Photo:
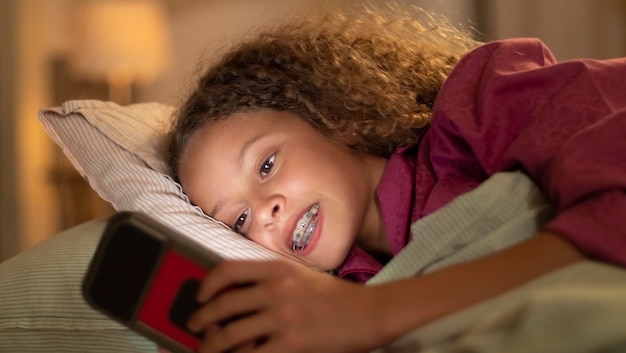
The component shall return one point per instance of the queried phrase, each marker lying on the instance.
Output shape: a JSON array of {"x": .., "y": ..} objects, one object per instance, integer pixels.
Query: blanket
[{"x": 579, "y": 308}]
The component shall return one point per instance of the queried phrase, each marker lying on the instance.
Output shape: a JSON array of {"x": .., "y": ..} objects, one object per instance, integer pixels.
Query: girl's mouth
[{"x": 305, "y": 228}]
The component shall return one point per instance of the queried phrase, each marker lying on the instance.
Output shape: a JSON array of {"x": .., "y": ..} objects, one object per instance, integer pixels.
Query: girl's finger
[
  {"x": 230, "y": 273},
  {"x": 227, "y": 305},
  {"x": 246, "y": 348},
  {"x": 245, "y": 333}
]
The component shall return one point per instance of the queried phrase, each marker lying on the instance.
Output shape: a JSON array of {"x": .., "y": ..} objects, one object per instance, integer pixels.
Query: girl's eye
[
  {"x": 267, "y": 166},
  {"x": 240, "y": 222}
]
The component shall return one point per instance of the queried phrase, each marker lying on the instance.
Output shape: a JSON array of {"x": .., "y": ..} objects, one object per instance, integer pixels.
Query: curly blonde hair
[{"x": 373, "y": 72}]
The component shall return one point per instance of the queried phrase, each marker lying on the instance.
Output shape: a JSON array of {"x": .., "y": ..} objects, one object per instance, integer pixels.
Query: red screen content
[{"x": 174, "y": 270}]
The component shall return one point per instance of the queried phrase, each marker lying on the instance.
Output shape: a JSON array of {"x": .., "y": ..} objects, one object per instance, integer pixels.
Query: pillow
[
  {"x": 117, "y": 149},
  {"x": 41, "y": 306}
]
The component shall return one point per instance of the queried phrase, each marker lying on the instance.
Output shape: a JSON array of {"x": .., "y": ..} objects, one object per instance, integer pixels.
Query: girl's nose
[{"x": 270, "y": 211}]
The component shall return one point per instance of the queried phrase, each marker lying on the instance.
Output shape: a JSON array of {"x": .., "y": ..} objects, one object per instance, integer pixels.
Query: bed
[{"x": 579, "y": 308}]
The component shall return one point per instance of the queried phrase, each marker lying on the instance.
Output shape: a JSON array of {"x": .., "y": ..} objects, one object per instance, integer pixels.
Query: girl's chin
[
  {"x": 308, "y": 262},
  {"x": 321, "y": 266},
  {"x": 304, "y": 260}
]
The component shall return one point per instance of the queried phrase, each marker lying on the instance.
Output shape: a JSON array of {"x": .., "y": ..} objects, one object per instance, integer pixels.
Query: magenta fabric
[{"x": 508, "y": 105}]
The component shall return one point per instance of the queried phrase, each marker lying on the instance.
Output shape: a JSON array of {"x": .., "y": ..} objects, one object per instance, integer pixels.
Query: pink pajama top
[{"x": 508, "y": 105}]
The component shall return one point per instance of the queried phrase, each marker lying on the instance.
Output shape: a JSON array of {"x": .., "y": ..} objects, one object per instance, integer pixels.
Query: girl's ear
[
  {"x": 351, "y": 137},
  {"x": 354, "y": 138},
  {"x": 347, "y": 137}
]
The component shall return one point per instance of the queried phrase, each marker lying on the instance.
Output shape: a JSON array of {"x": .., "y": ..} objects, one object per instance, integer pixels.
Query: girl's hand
[{"x": 294, "y": 309}]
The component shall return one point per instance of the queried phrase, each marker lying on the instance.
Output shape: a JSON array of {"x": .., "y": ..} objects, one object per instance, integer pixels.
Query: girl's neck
[
  {"x": 373, "y": 238},
  {"x": 382, "y": 256}
]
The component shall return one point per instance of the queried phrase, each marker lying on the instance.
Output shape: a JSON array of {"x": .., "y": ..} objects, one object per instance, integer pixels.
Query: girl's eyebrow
[
  {"x": 218, "y": 206},
  {"x": 242, "y": 154},
  {"x": 246, "y": 147}
]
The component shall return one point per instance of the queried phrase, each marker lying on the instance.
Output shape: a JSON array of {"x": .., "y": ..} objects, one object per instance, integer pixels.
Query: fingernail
[{"x": 191, "y": 325}]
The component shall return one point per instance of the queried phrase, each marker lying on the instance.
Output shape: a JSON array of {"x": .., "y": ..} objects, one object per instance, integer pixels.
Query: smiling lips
[{"x": 304, "y": 228}]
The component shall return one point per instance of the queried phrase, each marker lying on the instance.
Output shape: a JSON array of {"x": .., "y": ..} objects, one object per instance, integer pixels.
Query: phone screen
[
  {"x": 124, "y": 271},
  {"x": 171, "y": 299},
  {"x": 142, "y": 281}
]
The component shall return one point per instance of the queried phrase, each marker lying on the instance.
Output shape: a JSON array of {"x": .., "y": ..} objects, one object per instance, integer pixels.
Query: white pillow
[
  {"x": 41, "y": 306},
  {"x": 118, "y": 150}
]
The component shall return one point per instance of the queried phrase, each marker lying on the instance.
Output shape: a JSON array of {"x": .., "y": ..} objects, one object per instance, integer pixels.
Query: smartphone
[{"x": 145, "y": 276}]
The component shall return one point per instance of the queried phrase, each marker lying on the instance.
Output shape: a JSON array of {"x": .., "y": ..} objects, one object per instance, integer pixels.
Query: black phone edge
[{"x": 175, "y": 240}]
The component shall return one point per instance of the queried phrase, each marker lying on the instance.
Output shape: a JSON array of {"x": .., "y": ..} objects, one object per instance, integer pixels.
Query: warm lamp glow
[{"x": 122, "y": 41}]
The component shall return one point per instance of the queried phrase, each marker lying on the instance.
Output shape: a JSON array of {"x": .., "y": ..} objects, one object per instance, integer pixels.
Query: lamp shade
[{"x": 122, "y": 41}]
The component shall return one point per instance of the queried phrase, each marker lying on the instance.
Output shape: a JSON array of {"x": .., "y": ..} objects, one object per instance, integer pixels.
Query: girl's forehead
[
  {"x": 233, "y": 130},
  {"x": 263, "y": 119}
]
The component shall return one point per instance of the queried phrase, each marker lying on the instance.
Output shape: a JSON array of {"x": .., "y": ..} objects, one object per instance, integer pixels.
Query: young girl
[{"x": 324, "y": 140}]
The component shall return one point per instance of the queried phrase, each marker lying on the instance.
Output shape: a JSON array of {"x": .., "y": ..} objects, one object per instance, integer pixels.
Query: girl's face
[{"x": 273, "y": 178}]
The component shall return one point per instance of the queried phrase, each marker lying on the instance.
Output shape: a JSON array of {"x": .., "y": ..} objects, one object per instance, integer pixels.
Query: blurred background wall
[{"x": 40, "y": 194}]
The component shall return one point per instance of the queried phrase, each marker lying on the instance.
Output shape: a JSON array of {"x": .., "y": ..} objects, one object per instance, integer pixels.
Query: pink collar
[{"x": 395, "y": 194}]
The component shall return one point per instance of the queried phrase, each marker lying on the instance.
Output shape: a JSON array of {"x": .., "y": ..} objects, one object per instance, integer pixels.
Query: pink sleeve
[{"x": 509, "y": 105}]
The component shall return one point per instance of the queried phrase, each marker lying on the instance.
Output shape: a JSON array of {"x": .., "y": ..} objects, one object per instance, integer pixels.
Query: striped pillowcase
[
  {"x": 118, "y": 150},
  {"x": 41, "y": 306}
]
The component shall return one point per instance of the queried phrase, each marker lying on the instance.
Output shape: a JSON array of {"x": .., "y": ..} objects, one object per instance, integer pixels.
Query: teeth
[{"x": 304, "y": 228}]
